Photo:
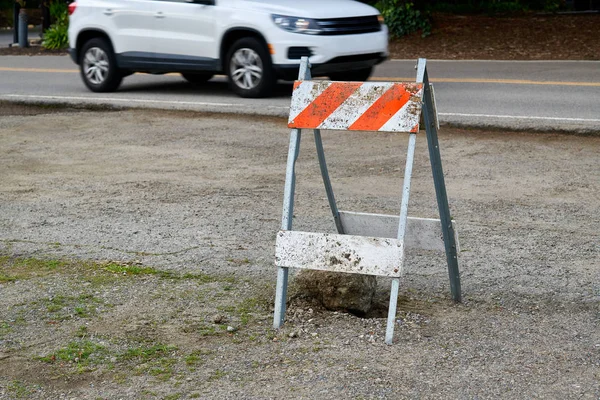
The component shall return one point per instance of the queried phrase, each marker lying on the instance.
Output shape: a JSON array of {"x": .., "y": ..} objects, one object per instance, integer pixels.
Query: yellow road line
[
  {"x": 52, "y": 70},
  {"x": 376, "y": 78}
]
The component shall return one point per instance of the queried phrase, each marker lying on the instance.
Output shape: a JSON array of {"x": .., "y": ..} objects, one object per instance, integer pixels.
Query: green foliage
[
  {"x": 58, "y": 10},
  {"x": 57, "y": 37},
  {"x": 75, "y": 352},
  {"x": 402, "y": 18},
  {"x": 6, "y": 4},
  {"x": 494, "y": 7}
]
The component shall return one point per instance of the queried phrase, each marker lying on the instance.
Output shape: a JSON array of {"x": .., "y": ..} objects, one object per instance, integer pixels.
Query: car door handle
[
  {"x": 159, "y": 14},
  {"x": 108, "y": 11}
]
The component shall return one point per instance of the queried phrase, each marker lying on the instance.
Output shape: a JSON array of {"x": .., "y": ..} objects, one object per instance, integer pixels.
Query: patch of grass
[
  {"x": 12, "y": 269},
  {"x": 82, "y": 331},
  {"x": 174, "y": 396},
  {"x": 146, "y": 353},
  {"x": 130, "y": 269},
  {"x": 216, "y": 375},
  {"x": 204, "y": 329},
  {"x": 20, "y": 390},
  {"x": 6, "y": 278},
  {"x": 246, "y": 308},
  {"x": 65, "y": 307},
  {"x": 97, "y": 273},
  {"x": 5, "y": 329},
  {"x": 81, "y": 353},
  {"x": 238, "y": 261},
  {"x": 196, "y": 358},
  {"x": 155, "y": 360},
  {"x": 161, "y": 368}
]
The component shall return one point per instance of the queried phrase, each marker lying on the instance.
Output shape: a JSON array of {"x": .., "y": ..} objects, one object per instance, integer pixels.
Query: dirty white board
[{"x": 339, "y": 253}]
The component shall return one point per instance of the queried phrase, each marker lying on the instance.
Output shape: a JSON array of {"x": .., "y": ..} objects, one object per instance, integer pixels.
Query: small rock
[
  {"x": 293, "y": 334},
  {"x": 218, "y": 319},
  {"x": 231, "y": 328}
]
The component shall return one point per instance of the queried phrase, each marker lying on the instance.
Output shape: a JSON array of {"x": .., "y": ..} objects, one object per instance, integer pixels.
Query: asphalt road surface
[{"x": 541, "y": 95}]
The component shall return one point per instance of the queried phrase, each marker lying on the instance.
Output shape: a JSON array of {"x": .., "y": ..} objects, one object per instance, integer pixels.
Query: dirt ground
[
  {"x": 481, "y": 37},
  {"x": 136, "y": 261}
]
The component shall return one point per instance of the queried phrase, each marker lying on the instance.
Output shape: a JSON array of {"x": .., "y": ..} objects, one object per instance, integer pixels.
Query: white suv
[{"x": 253, "y": 42}]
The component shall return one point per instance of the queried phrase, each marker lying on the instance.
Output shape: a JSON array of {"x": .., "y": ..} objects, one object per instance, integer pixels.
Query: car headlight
[{"x": 297, "y": 24}]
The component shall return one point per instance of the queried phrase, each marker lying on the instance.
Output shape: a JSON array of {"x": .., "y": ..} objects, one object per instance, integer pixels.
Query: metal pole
[
  {"x": 410, "y": 156},
  {"x": 327, "y": 182},
  {"x": 438, "y": 181},
  {"x": 288, "y": 207},
  {"x": 16, "y": 9},
  {"x": 23, "y": 41}
]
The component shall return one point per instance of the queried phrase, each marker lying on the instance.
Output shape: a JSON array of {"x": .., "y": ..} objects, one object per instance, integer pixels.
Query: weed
[
  {"x": 146, "y": 353},
  {"x": 238, "y": 261},
  {"x": 6, "y": 278},
  {"x": 82, "y": 353},
  {"x": 65, "y": 307},
  {"x": 82, "y": 331},
  {"x": 195, "y": 358},
  {"x": 130, "y": 269},
  {"x": 20, "y": 390},
  {"x": 216, "y": 375},
  {"x": 5, "y": 329},
  {"x": 162, "y": 368}
]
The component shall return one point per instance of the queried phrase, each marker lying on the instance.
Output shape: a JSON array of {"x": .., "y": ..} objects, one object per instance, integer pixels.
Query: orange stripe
[
  {"x": 321, "y": 107},
  {"x": 382, "y": 110},
  {"x": 296, "y": 84}
]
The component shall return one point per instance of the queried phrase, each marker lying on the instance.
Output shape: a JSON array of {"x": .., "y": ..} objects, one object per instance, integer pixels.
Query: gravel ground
[{"x": 136, "y": 261}]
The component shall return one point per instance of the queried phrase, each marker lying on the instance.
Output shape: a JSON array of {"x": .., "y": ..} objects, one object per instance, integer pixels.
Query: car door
[
  {"x": 133, "y": 31},
  {"x": 185, "y": 34}
]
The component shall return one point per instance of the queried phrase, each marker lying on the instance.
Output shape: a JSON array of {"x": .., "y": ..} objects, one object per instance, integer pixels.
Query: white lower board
[{"x": 339, "y": 253}]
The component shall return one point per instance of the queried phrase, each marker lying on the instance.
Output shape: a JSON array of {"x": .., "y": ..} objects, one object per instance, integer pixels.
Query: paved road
[{"x": 523, "y": 95}]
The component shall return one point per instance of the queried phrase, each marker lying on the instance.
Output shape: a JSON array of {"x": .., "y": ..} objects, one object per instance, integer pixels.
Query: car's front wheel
[
  {"x": 249, "y": 68},
  {"x": 98, "y": 66},
  {"x": 358, "y": 75}
]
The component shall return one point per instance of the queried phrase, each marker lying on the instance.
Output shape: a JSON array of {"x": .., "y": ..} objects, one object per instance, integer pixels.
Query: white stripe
[
  {"x": 406, "y": 118},
  {"x": 355, "y": 105},
  {"x": 304, "y": 95}
]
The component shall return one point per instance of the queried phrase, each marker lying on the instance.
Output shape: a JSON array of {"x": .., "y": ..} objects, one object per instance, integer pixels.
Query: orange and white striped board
[{"x": 356, "y": 106}]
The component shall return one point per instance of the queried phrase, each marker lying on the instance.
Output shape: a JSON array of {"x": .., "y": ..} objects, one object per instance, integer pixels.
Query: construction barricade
[{"x": 371, "y": 244}]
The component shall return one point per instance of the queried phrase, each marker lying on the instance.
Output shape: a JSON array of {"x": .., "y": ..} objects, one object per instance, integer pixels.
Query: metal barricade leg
[
  {"x": 410, "y": 155},
  {"x": 286, "y": 224},
  {"x": 438, "y": 181},
  {"x": 327, "y": 182}
]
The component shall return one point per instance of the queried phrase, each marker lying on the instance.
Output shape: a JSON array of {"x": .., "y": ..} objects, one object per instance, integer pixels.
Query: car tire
[
  {"x": 197, "y": 78},
  {"x": 250, "y": 69},
  {"x": 98, "y": 66},
  {"x": 357, "y": 75}
]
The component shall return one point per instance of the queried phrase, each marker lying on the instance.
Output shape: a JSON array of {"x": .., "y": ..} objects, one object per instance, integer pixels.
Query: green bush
[
  {"x": 492, "y": 7},
  {"x": 403, "y": 18},
  {"x": 57, "y": 37}
]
